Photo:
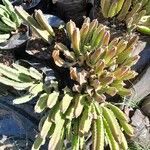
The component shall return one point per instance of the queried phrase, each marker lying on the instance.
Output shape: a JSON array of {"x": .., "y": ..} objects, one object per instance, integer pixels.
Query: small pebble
[{"x": 113, "y": 26}]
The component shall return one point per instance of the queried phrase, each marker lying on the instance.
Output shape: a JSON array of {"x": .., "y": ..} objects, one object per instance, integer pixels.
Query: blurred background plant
[
  {"x": 9, "y": 21},
  {"x": 135, "y": 14},
  {"x": 98, "y": 68},
  {"x": 38, "y": 23}
]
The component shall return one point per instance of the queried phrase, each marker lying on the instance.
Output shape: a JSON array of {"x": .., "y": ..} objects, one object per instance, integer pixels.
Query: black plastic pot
[
  {"x": 25, "y": 4},
  {"x": 16, "y": 40},
  {"x": 17, "y": 127},
  {"x": 40, "y": 49},
  {"x": 71, "y": 9}
]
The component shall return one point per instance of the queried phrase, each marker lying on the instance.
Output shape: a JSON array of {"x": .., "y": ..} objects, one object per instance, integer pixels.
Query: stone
[
  {"x": 146, "y": 106},
  {"x": 141, "y": 87},
  {"x": 18, "y": 125},
  {"x": 141, "y": 126}
]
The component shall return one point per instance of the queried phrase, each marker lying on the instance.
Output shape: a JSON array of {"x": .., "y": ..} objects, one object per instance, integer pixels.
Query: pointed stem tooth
[
  {"x": 96, "y": 55},
  {"x": 86, "y": 120},
  {"x": 96, "y": 33},
  {"x": 124, "y": 92},
  {"x": 92, "y": 27},
  {"x": 106, "y": 80},
  {"x": 134, "y": 10},
  {"x": 100, "y": 65},
  {"x": 76, "y": 41},
  {"x": 113, "y": 123},
  {"x": 43, "y": 22},
  {"x": 119, "y": 5},
  {"x": 73, "y": 73},
  {"x": 87, "y": 20},
  {"x": 112, "y": 63},
  {"x": 106, "y": 39},
  {"x": 125, "y": 55},
  {"x": 128, "y": 128},
  {"x": 118, "y": 112},
  {"x": 129, "y": 75},
  {"x": 105, "y": 5},
  {"x": 112, "y": 91},
  {"x": 114, "y": 42},
  {"x": 133, "y": 41},
  {"x": 100, "y": 98},
  {"x": 60, "y": 46},
  {"x": 70, "y": 26},
  {"x": 98, "y": 41},
  {"x": 58, "y": 61},
  {"x": 120, "y": 72},
  {"x": 109, "y": 135},
  {"x": 126, "y": 6},
  {"x": 98, "y": 134},
  {"x": 123, "y": 145},
  {"x": 118, "y": 84},
  {"x": 110, "y": 53},
  {"x": 121, "y": 46},
  {"x": 112, "y": 9},
  {"x": 131, "y": 61},
  {"x": 79, "y": 105},
  {"x": 69, "y": 55},
  {"x": 83, "y": 32}
]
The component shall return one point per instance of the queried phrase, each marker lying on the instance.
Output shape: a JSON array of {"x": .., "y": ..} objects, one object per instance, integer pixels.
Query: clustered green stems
[
  {"x": 68, "y": 116},
  {"x": 72, "y": 119},
  {"x": 9, "y": 20},
  {"x": 128, "y": 11},
  {"x": 38, "y": 23},
  {"x": 99, "y": 65}
]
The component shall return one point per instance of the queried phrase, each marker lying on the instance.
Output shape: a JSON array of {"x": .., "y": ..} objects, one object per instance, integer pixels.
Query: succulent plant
[
  {"x": 129, "y": 11},
  {"x": 99, "y": 66},
  {"x": 22, "y": 78},
  {"x": 9, "y": 20},
  {"x": 38, "y": 23},
  {"x": 144, "y": 25},
  {"x": 97, "y": 63}
]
